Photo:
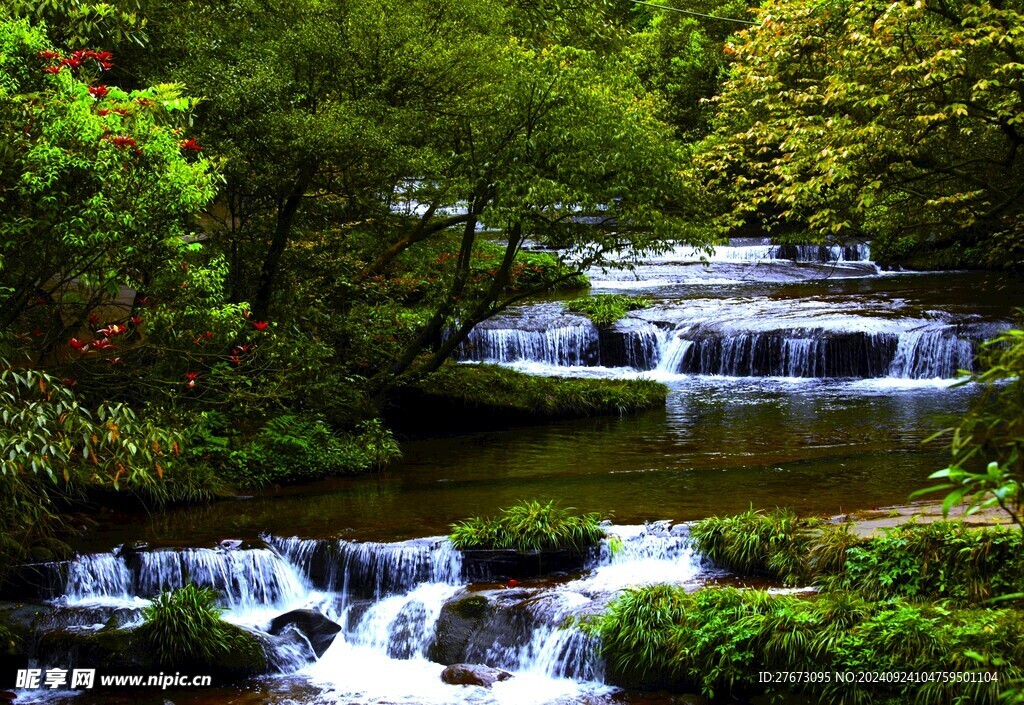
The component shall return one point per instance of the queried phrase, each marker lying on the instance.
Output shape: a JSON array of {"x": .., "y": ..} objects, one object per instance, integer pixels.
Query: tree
[
  {"x": 872, "y": 119},
  {"x": 97, "y": 185}
]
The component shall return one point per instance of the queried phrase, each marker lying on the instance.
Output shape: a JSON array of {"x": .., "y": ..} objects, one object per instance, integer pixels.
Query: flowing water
[{"x": 798, "y": 376}]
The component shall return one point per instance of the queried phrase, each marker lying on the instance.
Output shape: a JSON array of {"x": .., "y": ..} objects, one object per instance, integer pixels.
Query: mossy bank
[{"x": 482, "y": 396}]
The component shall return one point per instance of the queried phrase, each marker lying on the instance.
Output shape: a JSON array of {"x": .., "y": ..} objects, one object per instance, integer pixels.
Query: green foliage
[
  {"x": 936, "y": 561},
  {"x": 288, "y": 449},
  {"x": 518, "y": 394},
  {"x": 184, "y": 629},
  {"x": 53, "y": 447},
  {"x": 719, "y": 639},
  {"x": 987, "y": 466},
  {"x": 97, "y": 190},
  {"x": 757, "y": 542},
  {"x": 606, "y": 309},
  {"x": 899, "y": 121},
  {"x": 530, "y": 526},
  {"x": 939, "y": 561}
]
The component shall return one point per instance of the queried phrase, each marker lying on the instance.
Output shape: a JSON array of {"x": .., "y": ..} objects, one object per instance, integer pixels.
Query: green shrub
[
  {"x": 941, "y": 560},
  {"x": 184, "y": 628},
  {"x": 606, "y": 309},
  {"x": 932, "y": 561},
  {"x": 290, "y": 448},
  {"x": 530, "y": 526},
  {"x": 718, "y": 639}
]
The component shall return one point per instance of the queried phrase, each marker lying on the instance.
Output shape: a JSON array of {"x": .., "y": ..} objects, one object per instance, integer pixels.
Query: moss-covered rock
[{"x": 475, "y": 396}]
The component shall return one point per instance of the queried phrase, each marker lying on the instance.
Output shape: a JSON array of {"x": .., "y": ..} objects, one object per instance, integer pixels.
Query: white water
[{"x": 388, "y": 598}]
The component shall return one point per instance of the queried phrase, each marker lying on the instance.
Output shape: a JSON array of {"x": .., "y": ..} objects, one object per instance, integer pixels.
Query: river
[{"x": 804, "y": 377}]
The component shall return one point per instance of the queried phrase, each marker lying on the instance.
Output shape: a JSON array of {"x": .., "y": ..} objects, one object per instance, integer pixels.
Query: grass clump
[
  {"x": 717, "y": 640},
  {"x": 530, "y": 526},
  {"x": 942, "y": 560},
  {"x": 606, "y": 309},
  {"x": 183, "y": 628},
  {"x": 499, "y": 391}
]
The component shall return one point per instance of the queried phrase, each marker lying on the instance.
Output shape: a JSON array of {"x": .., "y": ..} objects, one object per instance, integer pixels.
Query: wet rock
[
  {"x": 318, "y": 629},
  {"x": 35, "y": 581},
  {"x": 480, "y": 565},
  {"x": 473, "y": 625},
  {"x": 473, "y": 674},
  {"x": 125, "y": 651}
]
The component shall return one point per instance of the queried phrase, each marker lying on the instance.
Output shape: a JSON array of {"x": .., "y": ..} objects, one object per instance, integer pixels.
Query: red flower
[
  {"x": 36, "y": 332},
  {"x": 208, "y": 335},
  {"x": 103, "y": 112},
  {"x": 142, "y": 300},
  {"x": 260, "y": 325},
  {"x": 53, "y": 69},
  {"x": 235, "y": 360},
  {"x": 111, "y": 330},
  {"x": 136, "y": 320},
  {"x": 191, "y": 377},
  {"x": 94, "y": 318},
  {"x": 121, "y": 111},
  {"x": 48, "y": 55},
  {"x": 102, "y": 344},
  {"x": 72, "y": 62},
  {"x": 240, "y": 349},
  {"x": 246, "y": 314},
  {"x": 70, "y": 381},
  {"x": 191, "y": 144},
  {"x": 99, "y": 91},
  {"x": 114, "y": 360},
  {"x": 122, "y": 141},
  {"x": 78, "y": 344}
]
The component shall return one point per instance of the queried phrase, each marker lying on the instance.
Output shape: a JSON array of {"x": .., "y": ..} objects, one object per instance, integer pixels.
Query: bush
[
  {"x": 530, "y": 526},
  {"x": 184, "y": 629},
  {"x": 718, "y": 639},
  {"x": 922, "y": 561},
  {"x": 606, "y": 309},
  {"x": 290, "y": 448}
]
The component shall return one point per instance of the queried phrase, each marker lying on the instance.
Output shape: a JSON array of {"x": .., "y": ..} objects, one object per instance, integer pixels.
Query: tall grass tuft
[
  {"x": 184, "y": 628},
  {"x": 530, "y": 526}
]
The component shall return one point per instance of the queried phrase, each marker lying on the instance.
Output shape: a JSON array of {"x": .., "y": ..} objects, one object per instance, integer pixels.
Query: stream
[{"x": 800, "y": 376}]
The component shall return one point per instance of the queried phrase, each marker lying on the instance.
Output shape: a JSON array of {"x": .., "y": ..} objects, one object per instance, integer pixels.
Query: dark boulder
[
  {"x": 473, "y": 674},
  {"x": 487, "y": 565},
  {"x": 319, "y": 630}
]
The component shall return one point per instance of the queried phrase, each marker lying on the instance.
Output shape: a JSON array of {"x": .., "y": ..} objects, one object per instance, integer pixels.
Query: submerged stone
[{"x": 473, "y": 674}]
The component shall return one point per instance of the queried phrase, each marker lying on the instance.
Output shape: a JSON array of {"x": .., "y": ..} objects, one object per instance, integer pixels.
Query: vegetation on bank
[
  {"x": 493, "y": 392},
  {"x": 936, "y": 561},
  {"x": 605, "y": 309},
  {"x": 530, "y": 526},
  {"x": 718, "y": 641},
  {"x": 183, "y": 629}
]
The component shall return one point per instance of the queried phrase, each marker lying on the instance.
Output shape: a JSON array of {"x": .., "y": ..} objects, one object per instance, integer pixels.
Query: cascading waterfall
[
  {"x": 567, "y": 345},
  {"x": 393, "y": 595}
]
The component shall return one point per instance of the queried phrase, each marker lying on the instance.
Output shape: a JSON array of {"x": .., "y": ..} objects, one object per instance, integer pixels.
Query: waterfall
[
  {"x": 393, "y": 597},
  {"x": 564, "y": 345},
  {"x": 928, "y": 354}
]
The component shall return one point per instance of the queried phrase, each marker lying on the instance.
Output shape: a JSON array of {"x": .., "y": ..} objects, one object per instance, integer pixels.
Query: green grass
[
  {"x": 606, "y": 309},
  {"x": 530, "y": 526},
  {"x": 717, "y": 640},
  {"x": 943, "y": 560},
  {"x": 517, "y": 394},
  {"x": 183, "y": 628}
]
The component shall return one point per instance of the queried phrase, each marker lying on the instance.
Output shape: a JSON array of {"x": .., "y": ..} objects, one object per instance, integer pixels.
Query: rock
[
  {"x": 485, "y": 565},
  {"x": 319, "y": 630},
  {"x": 473, "y": 674}
]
